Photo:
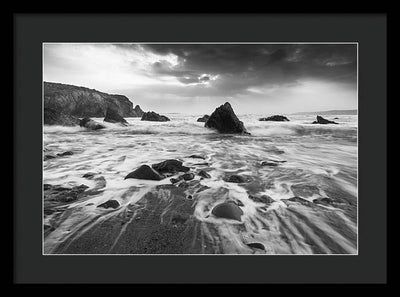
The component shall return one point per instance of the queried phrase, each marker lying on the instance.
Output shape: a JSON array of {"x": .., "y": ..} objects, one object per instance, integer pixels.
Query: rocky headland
[{"x": 64, "y": 104}]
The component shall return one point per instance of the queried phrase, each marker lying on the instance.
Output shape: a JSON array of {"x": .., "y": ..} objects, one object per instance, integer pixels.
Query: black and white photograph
[{"x": 200, "y": 148}]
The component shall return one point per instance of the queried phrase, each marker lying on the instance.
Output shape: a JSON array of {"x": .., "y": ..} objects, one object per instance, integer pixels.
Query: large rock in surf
[
  {"x": 228, "y": 210},
  {"x": 84, "y": 102},
  {"x": 170, "y": 166},
  {"x": 145, "y": 172},
  {"x": 54, "y": 117},
  {"x": 275, "y": 118},
  {"x": 113, "y": 116},
  {"x": 224, "y": 120},
  {"x": 204, "y": 118},
  {"x": 321, "y": 120},
  {"x": 90, "y": 124},
  {"x": 155, "y": 117}
]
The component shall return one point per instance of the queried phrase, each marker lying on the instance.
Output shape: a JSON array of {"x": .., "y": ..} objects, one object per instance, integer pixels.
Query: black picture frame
[{"x": 31, "y": 30}]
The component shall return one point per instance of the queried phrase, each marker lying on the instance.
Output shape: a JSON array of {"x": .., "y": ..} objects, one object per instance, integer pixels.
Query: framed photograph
[{"x": 208, "y": 141}]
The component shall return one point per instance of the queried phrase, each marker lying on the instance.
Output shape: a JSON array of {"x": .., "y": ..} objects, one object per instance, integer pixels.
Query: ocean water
[{"x": 320, "y": 162}]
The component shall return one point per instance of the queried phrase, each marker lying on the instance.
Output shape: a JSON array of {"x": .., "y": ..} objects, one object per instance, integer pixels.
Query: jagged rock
[
  {"x": 272, "y": 162},
  {"x": 54, "y": 117},
  {"x": 84, "y": 102},
  {"x": 170, "y": 166},
  {"x": 90, "y": 124},
  {"x": 297, "y": 200},
  {"x": 68, "y": 153},
  {"x": 269, "y": 163},
  {"x": 321, "y": 120},
  {"x": 138, "y": 111},
  {"x": 256, "y": 245},
  {"x": 204, "y": 174},
  {"x": 224, "y": 120},
  {"x": 47, "y": 187},
  {"x": 188, "y": 176},
  {"x": 304, "y": 190},
  {"x": 145, "y": 172},
  {"x": 48, "y": 157},
  {"x": 155, "y": 117},
  {"x": 62, "y": 194},
  {"x": 238, "y": 203},
  {"x": 201, "y": 164},
  {"x": 329, "y": 201},
  {"x": 196, "y": 157},
  {"x": 227, "y": 210},
  {"x": 204, "y": 118},
  {"x": 109, "y": 204},
  {"x": 89, "y": 175},
  {"x": 235, "y": 179},
  {"x": 275, "y": 118},
  {"x": 262, "y": 199},
  {"x": 175, "y": 180},
  {"x": 113, "y": 116}
]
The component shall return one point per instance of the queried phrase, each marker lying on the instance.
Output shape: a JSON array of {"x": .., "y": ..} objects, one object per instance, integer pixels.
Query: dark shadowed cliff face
[{"x": 84, "y": 102}]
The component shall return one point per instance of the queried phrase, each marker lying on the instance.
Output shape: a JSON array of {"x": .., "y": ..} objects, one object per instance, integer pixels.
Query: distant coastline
[{"x": 329, "y": 112}]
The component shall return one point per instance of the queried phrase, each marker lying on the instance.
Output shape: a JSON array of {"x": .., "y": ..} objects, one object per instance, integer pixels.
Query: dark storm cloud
[{"x": 240, "y": 66}]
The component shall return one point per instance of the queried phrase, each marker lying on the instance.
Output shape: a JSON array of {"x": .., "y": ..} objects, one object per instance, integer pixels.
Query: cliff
[{"x": 85, "y": 102}]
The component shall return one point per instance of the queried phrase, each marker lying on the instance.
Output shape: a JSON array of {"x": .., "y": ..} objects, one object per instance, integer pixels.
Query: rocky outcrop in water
[
  {"x": 235, "y": 179},
  {"x": 170, "y": 166},
  {"x": 113, "y": 116},
  {"x": 155, "y": 117},
  {"x": 321, "y": 120},
  {"x": 63, "y": 194},
  {"x": 224, "y": 120},
  {"x": 85, "y": 102},
  {"x": 90, "y": 124},
  {"x": 204, "y": 174},
  {"x": 275, "y": 118},
  {"x": 145, "y": 172},
  {"x": 109, "y": 204},
  {"x": 228, "y": 210},
  {"x": 54, "y": 117},
  {"x": 139, "y": 112},
  {"x": 204, "y": 118}
]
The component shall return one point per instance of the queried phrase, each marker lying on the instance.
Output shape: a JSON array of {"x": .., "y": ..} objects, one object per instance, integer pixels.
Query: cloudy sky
[{"x": 196, "y": 78}]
